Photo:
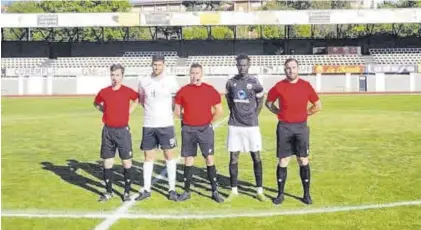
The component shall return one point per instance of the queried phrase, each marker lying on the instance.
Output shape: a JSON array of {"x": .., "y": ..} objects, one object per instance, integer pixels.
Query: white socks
[
  {"x": 234, "y": 190},
  {"x": 171, "y": 172},
  {"x": 259, "y": 190},
  {"x": 147, "y": 175}
]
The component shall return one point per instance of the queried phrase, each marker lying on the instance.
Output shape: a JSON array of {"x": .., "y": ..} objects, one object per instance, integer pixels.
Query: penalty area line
[{"x": 302, "y": 211}]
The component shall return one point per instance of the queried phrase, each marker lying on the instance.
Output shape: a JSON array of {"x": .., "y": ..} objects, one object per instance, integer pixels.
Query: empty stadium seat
[
  {"x": 277, "y": 60},
  {"x": 22, "y": 62}
]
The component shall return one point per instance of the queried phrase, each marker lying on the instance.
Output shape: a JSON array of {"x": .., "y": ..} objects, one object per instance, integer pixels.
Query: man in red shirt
[
  {"x": 114, "y": 102},
  {"x": 194, "y": 104},
  {"x": 292, "y": 133}
]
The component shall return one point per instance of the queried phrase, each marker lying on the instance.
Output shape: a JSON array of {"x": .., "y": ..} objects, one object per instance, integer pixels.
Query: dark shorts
[
  {"x": 292, "y": 139},
  {"x": 191, "y": 136},
  {"x": 153, "y": 138},
  {"x": 116, "y": 139}
]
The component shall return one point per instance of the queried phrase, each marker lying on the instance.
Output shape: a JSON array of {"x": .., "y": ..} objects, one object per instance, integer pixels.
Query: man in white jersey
[{"x": 156, "y": 94}]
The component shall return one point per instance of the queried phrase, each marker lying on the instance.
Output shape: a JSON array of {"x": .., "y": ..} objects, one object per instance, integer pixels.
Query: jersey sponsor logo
[
  {"x": 242, "y": 97},
  {"x": 249, "y": 86}
]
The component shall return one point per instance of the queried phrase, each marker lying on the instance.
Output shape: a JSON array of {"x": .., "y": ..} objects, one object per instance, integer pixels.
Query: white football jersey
[{"x": 158, "y": 96}]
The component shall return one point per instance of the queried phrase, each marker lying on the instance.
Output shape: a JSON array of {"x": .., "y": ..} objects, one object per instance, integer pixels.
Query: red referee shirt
[
  {"x": 197, "y": 102},
  {"x": 116, "y": 105},
  {"x": 293, "y": 99}
]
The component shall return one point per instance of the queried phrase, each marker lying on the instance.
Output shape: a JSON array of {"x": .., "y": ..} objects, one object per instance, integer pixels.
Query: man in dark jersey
[
  {"x": 114, "y": 102},
  {"x": 244, "y": 95},
  {"x": 292, "y": 133},
  {"x": 194, "y": 104}
]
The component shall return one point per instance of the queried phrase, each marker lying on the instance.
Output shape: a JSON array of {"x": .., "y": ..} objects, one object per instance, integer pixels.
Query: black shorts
[
  {"x": 191, "y": 136},
  {"x": 116, "y": 138},
  {"x": 153, "y": 138},
  {"x": 292, "y": 138}
]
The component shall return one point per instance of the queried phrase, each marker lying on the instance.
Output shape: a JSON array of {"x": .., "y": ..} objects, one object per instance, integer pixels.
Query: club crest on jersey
[{"x": 249, "y": 86}]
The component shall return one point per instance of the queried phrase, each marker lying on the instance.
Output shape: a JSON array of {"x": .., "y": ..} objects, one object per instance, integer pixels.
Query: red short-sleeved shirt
[
  {"x": 197, "y": 102},
  {"x": 116, "y": 105},
  {"x": 293, "y": 99}
]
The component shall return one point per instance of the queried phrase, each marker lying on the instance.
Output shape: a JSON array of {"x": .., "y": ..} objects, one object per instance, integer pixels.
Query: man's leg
[
  {"x": 188, "y": 151},
  {"x": 148, "y": 145},
  {"x": 212, "y": 176},
  {"x": 206, "y": 139},
  {"x": 108, "y": 150},
  {"x": 167, "y": 141},
  {"x": 124, "y": 146},
  {"x": 254, "y": 144},
  {"x": 187, "y": 176},
  {"x": 303, "y": 161},
  {"x": 284, "y": 143},
  {"x": 258, "y": 174},
  {"x": 234, "y": 145},
  {"x": 233, "y": 169}
]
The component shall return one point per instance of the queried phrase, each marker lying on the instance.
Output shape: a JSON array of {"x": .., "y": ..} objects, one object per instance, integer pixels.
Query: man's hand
[
  {"x": 271, "y": 106},
  {"x": 99, "y": 107},
  {"x": 316, "y": 107}
]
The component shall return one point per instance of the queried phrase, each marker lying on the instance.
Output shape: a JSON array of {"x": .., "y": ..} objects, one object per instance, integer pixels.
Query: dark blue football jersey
[{"x": 242, "y": 94}]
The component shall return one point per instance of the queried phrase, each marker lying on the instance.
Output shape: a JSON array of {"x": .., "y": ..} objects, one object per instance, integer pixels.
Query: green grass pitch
[{"x": 365, "y": 149}]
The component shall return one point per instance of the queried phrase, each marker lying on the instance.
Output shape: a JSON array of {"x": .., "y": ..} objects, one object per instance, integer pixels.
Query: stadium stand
[
  {"x": 278, "y": 60},
  {"x": 22, "y": 62},
  {"x": 142, "y": 59},
  {"x": 396, "y": 55}
]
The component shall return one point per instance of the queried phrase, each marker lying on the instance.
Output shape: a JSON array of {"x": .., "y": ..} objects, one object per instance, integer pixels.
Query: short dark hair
[
  {"x": 158, "y": 57},
  {"x": 196, "y": 65},
  {"x": 290, "y": 60},
  {"x": 117, "y": 66},
  {"x": 242, "y": 57}
]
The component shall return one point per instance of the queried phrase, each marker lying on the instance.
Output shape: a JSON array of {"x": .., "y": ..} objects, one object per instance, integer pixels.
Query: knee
[
  {"x": 149, "y": 155},
  {"x": 302, "y": 161},
  {"x": 234, "y": 157},
  {"x": 209, "y": 160},
  {"x": 127, "y": 163},
  {"x": 256, "y": 157},
  {"x": 169, "y": 154},
  {"x": 108, "y": 163},
  {"x": 283, "y": 162},
  {"x": 188, "y": 161}
]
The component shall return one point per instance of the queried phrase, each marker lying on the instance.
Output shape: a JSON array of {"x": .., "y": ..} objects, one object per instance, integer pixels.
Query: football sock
[
  {"x": 128, "y": 173},
  {"x": 108, "y": 179},
  {"x": 172, "y": 170},
  {"x": 281, "y": 175},
  {"x": 305, "y": 179},
  {"x": 233, "y": 168},
  {"x": 258, "y": 174},
  {"x": 147, "y": 175},
  {"x": 260, "y": 190},
  {"x": 234, "y": 190},
  {"x": 187, "y": 177},
  {"x": 212, "y": 176}
]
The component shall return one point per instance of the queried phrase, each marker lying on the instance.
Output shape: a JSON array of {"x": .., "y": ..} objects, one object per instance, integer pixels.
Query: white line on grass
[
  {"x": 110, "y": 220},
  {"x": 224, "y": 215}
]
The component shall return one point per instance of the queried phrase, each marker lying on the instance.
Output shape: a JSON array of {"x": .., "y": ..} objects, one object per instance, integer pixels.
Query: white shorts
[{"x": 244, "y": 139}]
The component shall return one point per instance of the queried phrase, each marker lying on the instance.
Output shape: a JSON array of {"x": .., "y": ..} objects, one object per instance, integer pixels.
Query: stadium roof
[{"x": 154, "y": 2}]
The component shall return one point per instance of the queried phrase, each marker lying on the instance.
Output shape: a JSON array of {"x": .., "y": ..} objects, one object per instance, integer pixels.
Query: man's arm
[
  {"x": 141, "y": 93},
  {"x": 133, "y": 106},
  {"x": 178, "y": 111},
  {"x": 230, "y": 100},
  {"x": 316, "y": 107},
  {"x": 217, "y": 112},
  {"x": 99, "y": 102},
  {"x": 99, "y": 106},
  {"x": 272, "y": 107},
  {"x": 270, "y": 100},
  {"x": 259, "y": 101},
  {"x": 258, "y": 89}
]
